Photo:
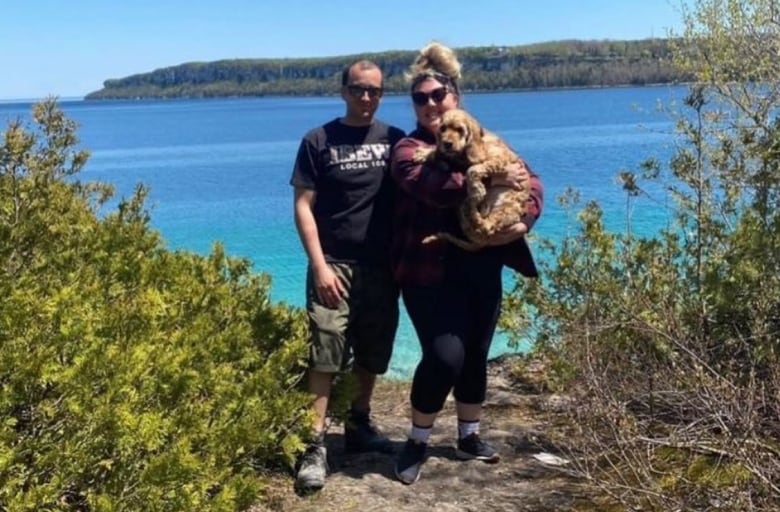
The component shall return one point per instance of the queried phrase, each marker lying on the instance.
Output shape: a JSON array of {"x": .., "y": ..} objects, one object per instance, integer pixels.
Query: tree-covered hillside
[{"x": 489, "y": 68}]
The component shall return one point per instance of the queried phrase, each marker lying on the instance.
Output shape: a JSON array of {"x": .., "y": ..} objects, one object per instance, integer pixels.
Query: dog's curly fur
[{"x": 462, "y": 143}]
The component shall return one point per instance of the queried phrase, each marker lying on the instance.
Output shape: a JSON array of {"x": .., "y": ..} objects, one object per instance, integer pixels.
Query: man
[{"x": 343, "y": 203}]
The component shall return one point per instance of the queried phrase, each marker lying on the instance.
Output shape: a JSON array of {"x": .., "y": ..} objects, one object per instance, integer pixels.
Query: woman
[{"x": 453, "y": 297}]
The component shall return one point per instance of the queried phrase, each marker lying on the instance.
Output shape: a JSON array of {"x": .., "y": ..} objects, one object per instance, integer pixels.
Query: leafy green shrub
[{"x": 132, "y": 377}]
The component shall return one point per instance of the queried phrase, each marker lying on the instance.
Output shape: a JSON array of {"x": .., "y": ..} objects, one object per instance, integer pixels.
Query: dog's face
[{"x": 457, "y": 133}]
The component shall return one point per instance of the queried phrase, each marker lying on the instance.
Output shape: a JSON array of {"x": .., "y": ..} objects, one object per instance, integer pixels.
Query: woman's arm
[
  {"x": 534, "y": 205},
  {"x": 535, "y": 202},
  {"x": 427, "y": 183}
]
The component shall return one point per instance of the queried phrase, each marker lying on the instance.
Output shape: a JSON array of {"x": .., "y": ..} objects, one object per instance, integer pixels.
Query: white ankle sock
[
  {"x": 466, "y": 428},
  {"x": 420, "y": 434}
]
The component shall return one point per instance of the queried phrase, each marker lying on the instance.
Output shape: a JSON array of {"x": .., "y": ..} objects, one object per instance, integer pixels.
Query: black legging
[{"x": 455, "y": 321}]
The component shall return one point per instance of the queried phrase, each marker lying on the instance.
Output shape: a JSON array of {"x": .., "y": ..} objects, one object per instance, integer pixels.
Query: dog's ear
[
  {"x": 478, "y": 133},
  {"x": 468, "y": 135},
  {"x": 476, "y": 152}
]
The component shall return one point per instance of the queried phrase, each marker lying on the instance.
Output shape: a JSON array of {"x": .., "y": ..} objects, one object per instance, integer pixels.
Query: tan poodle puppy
[{"x": 461, "y": 144}]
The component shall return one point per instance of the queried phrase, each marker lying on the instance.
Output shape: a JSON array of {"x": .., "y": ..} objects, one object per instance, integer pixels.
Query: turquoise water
[{"x": 219, "y": 169}]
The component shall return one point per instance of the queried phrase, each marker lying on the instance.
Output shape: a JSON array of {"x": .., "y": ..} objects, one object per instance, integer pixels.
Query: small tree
[{"x": 672, "y": 342}]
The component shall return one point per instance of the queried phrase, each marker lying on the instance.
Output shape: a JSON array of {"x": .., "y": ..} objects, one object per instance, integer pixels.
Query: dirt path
[{"x": 514, "y": 422}]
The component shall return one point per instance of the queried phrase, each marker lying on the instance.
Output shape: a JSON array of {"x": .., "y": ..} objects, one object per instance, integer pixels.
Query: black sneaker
[
  {"x": 312, "y": 470},
  {"x": 360, "y": 435},
  {"x": 472, "y": 447},
  {"x": 410, "y": 461}
]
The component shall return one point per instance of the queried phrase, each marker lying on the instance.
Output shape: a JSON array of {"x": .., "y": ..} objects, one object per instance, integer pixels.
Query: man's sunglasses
[
  {"x": 357, "y": 91},
  {"x": 437, "y": 95}
]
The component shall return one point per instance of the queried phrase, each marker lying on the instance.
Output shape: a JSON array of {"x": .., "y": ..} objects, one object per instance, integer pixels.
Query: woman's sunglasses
[
  {"x": 422, "y": 98},
  {"x": 357, "y": 91}
]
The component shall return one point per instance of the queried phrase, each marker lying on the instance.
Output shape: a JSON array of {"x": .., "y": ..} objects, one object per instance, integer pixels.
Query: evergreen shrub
[{"x": 132, "y": 377}]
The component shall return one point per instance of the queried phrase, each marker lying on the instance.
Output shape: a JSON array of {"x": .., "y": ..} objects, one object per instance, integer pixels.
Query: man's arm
[{"x": 327, "y": 286}]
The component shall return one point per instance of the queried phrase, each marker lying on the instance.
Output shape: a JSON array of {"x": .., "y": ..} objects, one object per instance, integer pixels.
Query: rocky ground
[{"x": 519, "y": 420}]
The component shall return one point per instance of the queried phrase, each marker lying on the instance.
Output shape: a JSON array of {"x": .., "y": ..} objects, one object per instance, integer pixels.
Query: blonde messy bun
[{"x": 434, "y": 59}]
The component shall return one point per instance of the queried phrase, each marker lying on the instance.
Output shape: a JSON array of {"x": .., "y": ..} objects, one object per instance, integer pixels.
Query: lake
[{"x": 219, "y": 169}]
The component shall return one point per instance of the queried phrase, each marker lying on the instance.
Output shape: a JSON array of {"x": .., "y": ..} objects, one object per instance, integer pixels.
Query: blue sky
[{"x": 68, "y": 48}]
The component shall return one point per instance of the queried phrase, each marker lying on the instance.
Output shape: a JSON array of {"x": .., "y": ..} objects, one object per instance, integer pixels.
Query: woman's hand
[
  {"x": 516, "y": 177},
  {"x": 508, "y": 235}
]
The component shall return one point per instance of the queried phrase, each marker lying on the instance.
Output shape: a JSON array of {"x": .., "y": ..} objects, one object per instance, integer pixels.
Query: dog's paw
[{"x": 422, "y": 154}]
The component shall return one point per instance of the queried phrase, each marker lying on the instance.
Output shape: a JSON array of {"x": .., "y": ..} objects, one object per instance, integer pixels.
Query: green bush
[{"x": 132, "y": 377}]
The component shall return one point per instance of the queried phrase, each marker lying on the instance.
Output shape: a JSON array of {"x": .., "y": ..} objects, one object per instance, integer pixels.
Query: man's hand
[{"x": 330, "y": 290}]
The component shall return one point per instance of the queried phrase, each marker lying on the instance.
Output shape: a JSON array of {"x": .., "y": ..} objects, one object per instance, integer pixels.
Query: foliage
[
  {"x": 132, "y": 377},
  {"x": 672, "y": 343},
  {"x": 554, "y": 64}
]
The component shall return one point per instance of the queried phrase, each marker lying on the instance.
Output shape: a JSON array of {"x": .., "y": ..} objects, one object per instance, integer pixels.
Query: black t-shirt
[{"x": 347, "y": 167}]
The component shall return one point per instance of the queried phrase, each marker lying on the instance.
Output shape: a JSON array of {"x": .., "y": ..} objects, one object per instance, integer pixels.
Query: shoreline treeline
[{"x": 570, "y": 63}]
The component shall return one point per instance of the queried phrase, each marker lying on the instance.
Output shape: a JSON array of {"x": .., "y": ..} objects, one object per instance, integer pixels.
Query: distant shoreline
[
  {"x": 73, "y": 99},
  {"x": 11, "y": 101}
]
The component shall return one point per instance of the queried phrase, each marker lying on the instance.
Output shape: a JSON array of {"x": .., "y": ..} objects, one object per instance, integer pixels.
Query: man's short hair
[{"x": 362, "y": 65}]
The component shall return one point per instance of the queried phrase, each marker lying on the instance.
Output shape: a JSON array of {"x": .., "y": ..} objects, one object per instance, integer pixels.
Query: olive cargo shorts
[{"x": 361, "y": 329}]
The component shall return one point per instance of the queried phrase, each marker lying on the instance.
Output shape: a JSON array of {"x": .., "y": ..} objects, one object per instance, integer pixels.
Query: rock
[
  {"x": 550, "y": 459},
  {"x": 519, "y": 482}
]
